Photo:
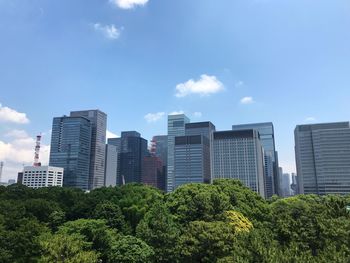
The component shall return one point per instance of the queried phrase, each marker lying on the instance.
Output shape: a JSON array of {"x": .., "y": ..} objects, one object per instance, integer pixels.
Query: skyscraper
[
  {"x": 267, "y": 138},
  {"x": 98, "y": 120},
  {"x": 153, "y": 172},
  {"x": 322, "y": 154},
  {"x": 111, "y": 165},
  {"x": 176, "y": 127},
  {"x": 207, "y": 130},
  {"x": 159, "y": 147},
  {"x": 239, "y": 155},
  {"x": 70, "y": 149},
  {"x": 192, "y": 160},
  {"x": 132, "y": 152}
]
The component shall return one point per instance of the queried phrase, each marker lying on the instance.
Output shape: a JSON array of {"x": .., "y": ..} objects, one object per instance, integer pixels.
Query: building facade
[
  {"x": 176, "y": 127},
  {"x": 98, "y": 120},
  {"x": 322, "y": 154},
  {"x": 133, "y": 150},
  {"x": 70, "y": 149},
  {"x": 192, "y": 160},
  {"x": 239, "y": 155},
  {"x": 153, "y": 172},
  {"x": 42, "y": 176},
  {"x": 111, "y": 165},
  {"x": 267, "y": 138}
]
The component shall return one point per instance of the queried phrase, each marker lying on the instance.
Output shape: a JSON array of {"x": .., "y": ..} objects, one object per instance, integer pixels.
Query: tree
[
  {"x": 159, "y": 230},
  {"x": 238, "y": 221},
  {"x": 66, "y": 248},
  {"x": 129, "y": 249},
  {"x": 113, "y": 216},
  {"x": 193, "y": 202},
  {"x": 94, "y": 231},
  {"x": 206, "y": 242}
]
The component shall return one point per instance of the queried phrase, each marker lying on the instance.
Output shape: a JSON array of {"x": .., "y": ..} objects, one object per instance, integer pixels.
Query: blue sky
[{"x": 228, "y": 61}]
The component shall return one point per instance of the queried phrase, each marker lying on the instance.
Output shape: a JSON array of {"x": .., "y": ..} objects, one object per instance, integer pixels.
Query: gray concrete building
[
  {"x": 322, "y": 154},
  {"x": 267, "y": 138},
  {"x": 192, "y": 160},
  {"x": 176, "y": 127},
  {"x": 98, "y": 120},
  {"x": 239, "y": 155},
  {"x": 111, "y": 165}
]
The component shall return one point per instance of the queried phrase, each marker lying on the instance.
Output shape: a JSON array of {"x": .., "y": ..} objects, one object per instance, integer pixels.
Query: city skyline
[{"x": 139, "y": 63}]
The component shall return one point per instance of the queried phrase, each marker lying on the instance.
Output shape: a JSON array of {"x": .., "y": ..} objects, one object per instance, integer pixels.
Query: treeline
[{"x": 223, "y": 222}]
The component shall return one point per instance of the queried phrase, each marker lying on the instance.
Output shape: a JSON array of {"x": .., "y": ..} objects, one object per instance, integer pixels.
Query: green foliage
[
  {"x": 195, "y": 223},
  {"x": 113, "y": 216},
  {"x": 66, "y": 248},
  {"x": 238, "y": 222},
  {"x": 193, "y": 202},
  {"x": 159, "y": 230},
  {"x": 129, "y": 249},
  {"x": 206, "y": 242}
]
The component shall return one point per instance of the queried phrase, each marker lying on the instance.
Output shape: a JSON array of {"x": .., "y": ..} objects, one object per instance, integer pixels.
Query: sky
[{"x": 227, "y": 61}]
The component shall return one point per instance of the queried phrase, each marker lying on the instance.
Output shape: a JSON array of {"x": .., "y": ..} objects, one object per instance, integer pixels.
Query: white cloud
[
  {"x": 177, "y": 112},
  {"x": 10, "y": 115},
  {"x": 17, "y": 134},
  {"x": 247, "y": 100},
  {"x": 128, "y": 4},
  {"x": 154, "y": 117},
  {"x": 205, "y": 86},
  {"x": 109, "y": 31},
  {"x": 310, "y": 119},
  {"x": 197, "y": 114},
  {"x": 110, "y": 135}
]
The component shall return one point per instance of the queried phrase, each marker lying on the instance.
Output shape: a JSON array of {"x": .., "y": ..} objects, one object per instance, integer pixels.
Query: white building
[{"x": 42, "y": 176}]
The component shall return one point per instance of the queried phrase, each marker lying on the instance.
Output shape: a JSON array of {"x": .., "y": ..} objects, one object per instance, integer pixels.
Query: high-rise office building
[
  {"x": 322, "y": 154},
  {"x": 239, "y": 155},
  {"x": 159, "y": 148},
  {"x": 207, "y": 130},
  {"x": 176, "y": 127},
  {"x": 267, "y": 138},
  {"x": 192, "y": 160},
  {"x": 294, "y": 184},
  {"x": 153, "y": 172},
  {"x": 70, "y": 149},
  {"x": 98, "y": 120},
  {"x": 111, "y": 165},
  {"x": 285, "y": 183},
  {"x": 132, "y": 152},
  {"x": 42, "y": 176},
  {"x": 117, "y": 142}
]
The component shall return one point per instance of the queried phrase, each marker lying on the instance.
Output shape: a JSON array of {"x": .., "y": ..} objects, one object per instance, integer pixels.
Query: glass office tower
[
  {"x": 70, "y": 149},
  {"x": 98, "y": 120},
  {"x": 176, "y": 127}
]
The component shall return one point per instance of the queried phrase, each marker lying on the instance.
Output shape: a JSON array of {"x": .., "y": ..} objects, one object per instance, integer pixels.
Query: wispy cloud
[
  {"x": 247, "y": 100},
  {"x": 128, "y": 4},
  {"x": 10, "y": 115},
  {"x": 205, "y": 86},
  {"x": 154, "y": 117},
  {"x": 109, "y": 31},
  {"x": 177, "y": 112},
  {"x": 310, "y": 119}
]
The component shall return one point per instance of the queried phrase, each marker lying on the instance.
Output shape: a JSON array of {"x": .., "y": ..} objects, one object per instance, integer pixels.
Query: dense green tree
[
  {"x": 206, "y": 242},
  {"x": 159, "y": 230},
  {"x": 193, "y": 202},
  {"x": 94, "y": 231},
  {"x": 129, "y": 249},
  {"x": 41, "y": 209},
  {"x": 113, "y": 216},
  {"x": 66, "y": 248},
  {"x": 249, "y": 203}
]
